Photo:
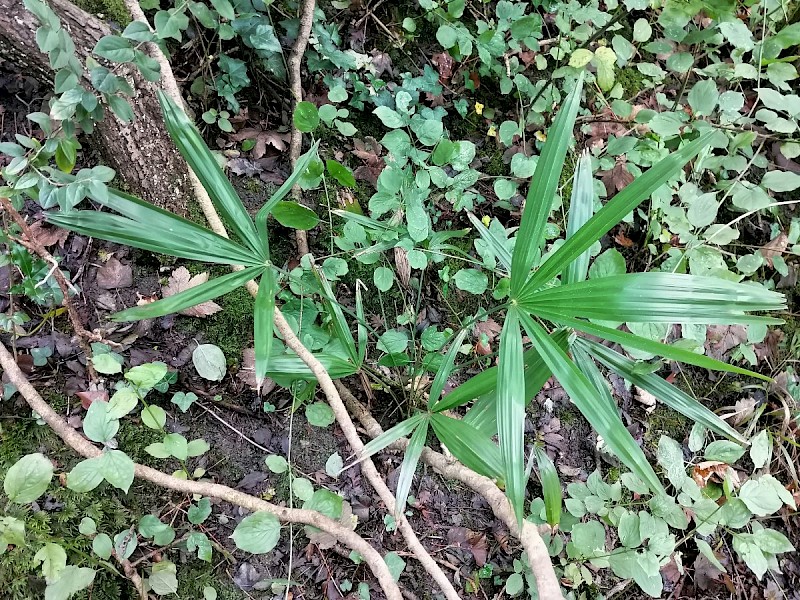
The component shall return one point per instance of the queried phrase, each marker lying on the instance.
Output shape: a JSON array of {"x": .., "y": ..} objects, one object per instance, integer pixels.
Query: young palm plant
[
  {"x": 145, "y": 226},
  {"x": 557, "y": 297}
]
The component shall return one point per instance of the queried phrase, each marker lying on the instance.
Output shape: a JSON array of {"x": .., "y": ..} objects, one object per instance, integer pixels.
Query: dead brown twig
[{"x": 295, "y": 62}]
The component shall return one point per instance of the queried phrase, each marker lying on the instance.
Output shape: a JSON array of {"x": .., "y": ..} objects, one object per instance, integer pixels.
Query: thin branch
[
  {"x": 295, "y": 85},
  {"x": 213, "y": 490},
  {"x": 538, "y": 556}
]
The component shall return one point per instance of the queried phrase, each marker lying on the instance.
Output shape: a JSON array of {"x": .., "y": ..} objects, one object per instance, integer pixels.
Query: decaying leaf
[
  {"x": 262, "y": 139},
  {"x": 182, "y": 280},
  {"x": 618, "y": 177},
  {"x": 90, "y": 396},
  {"x": 473, "y": 541},
  {"x": 113, "y": 274},
  {"x": 775, "y": 247},
  {"x": 247, "y": 373},
  {"x": 709, "y": 471},
  {"x": 720, "y": 339},
  {"x": 48, "y": 236},
  {"x": 402, "y": 265},
  {"x": 646, "y": 399},
  {"x": 741, "y": 412}
]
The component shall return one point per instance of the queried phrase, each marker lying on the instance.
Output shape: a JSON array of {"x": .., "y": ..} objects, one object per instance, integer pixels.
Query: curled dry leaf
[
  {"x": 775, "y": 247},
  {"x": 709, "y": 471},
  {"x": 618, "y": 177},
  {"x": 182, "y": 280},
  {"x": 402, "y": 264},
  {"x": 720, "y": 339},
  {"x": 741, "y": 412},
  {"x": 444, "y": 64},
  {"x": 262, "y": 139},
  {"x": 646, "y": 399},
  {"x": 90, "y": 396},
  {"x": 247, "y": 373},
  {"x": 48, "y": 236}
]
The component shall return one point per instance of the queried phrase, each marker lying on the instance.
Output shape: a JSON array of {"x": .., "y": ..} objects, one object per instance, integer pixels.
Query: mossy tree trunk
[{"x": 141, "y": 152}]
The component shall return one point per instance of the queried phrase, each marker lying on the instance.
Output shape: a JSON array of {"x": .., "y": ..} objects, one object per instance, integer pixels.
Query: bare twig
[
  {"x": 295, "y": 62},
  {"x": 232, "y": 428},
  {"x": 84, "y": 336},
  {"x": 538, "y": 556},
  {"x": 307, "y": 517}
]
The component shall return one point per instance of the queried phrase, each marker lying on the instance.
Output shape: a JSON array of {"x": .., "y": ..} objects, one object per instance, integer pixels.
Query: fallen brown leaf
[
  {"x": 48, "y": 236},
  {"x": 774, "y": 248},
  {"x": 181, "y": 280},
  {"x": 90, "y": 396},
  {"x": 262, "y": 139},
  {"x": 709, "y": 470},
  {"x": 113, "y": 274},
  {"x": 618, "y": 177},
  {"x": 720, "y": 339}
]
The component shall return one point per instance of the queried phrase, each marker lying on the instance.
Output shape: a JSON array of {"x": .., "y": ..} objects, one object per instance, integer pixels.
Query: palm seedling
[
  {"x": 554, "y": 303},
  {"x": 145, "y": 226}
]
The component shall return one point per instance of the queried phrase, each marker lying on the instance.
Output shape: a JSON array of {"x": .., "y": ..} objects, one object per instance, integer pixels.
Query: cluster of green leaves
[
  {"x": 645, "y": 525},
  {"x": 36, "y": 276},
  {"x": 576, "y": 304}
]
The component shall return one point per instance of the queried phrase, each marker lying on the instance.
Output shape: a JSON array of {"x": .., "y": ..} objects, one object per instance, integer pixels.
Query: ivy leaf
[
  {"x": 383, "y": 278},
  {"x": 257, "y": 533},
  {"x": 294, "y": 215},
  {"x": 199, "y": 512},
  {"x": 395, "y": 564},
  {"x": 170, "y": 24},
  {"x": 580, "y": 58},
  {"x": 114, "y": 48},
  {"x": 153, "y": 417},
  {"x": 163, "y": 578},
  {"x": 117, "y": 468},
  {"x": 765, "y": 495},
  {"x": 98, "y": 425},
  {"x": 340, "y": 173},
  {"x": 86, "y": 475},
  {"x": 781, "y": 181},
  {"x": 183, "y": 400},
  {"x": 670, "y": 457},
  {"x": 760, "y": 449},
  {"x": 276, "y": 463},
  {"x": 389, "y": 117},
  {"x": 151, "y": 527},
  {"x": 724, "y": 451},
  {"x": 28, "y": 478},
  {"x": 147, "y": 376}
]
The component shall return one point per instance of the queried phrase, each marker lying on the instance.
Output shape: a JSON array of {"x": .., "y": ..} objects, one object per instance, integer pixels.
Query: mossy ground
[{"x": 109, "y": 10}]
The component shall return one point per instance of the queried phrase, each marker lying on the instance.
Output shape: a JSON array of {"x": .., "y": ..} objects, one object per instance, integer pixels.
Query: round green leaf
[
  {"x": 302, "y": 488},
  {"x": 154, "y": 417},
  {"x": 471, "y": 280},
  {"x": 257, "y": 533},
  {"x": 210, "y": 362},
  {"x": 320, "y": 414},
  {"x": 28, "y": 478},
  {"x": 383, "y": 278},
  {"x": 340, "y": 173},
  {"x": 276, "y": 463},
  {"x": 306, "y": 117},
  {"x": 294, "y": 215}
]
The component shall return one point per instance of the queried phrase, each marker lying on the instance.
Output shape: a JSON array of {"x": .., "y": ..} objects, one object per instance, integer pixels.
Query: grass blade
[
  {"x": 149, "y": 216},
  {"x": 581, "y": 207},
  {"x": 409, "y": 466},
  {"x": 657, "y": 297},
  {"x": 152, "y": 237},
  {"x": 485, "y": 382},
  {"x": 300, "y": 168},
  {"x": 551, "y": 486},
  {"x": 496, "y": 245},
  {"x": 474, "y": 449},
  {"x": 334, "y": 310},
  {"x": 595, "y": 408},
  {"x": 263, "y": 312},
  {"x": 665, "y": 392},
  {"x": 613, "y": 212},
  {"x": 640, "y": 343},
  {"x": 544, "y": 183},
  {"x": 390, "y": 436},
  {"x": 361, "y": 331},
  {"x": 511, "y": 411},
  {"x": 219, "y": 286},
  {"x": 287, "y": 368},
  {"x": 208, "y": 171},
  {"x": 445, "y": 368}
]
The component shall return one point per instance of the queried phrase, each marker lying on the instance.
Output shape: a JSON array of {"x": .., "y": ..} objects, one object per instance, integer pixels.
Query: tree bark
[{"x": 140, "y": 151}]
